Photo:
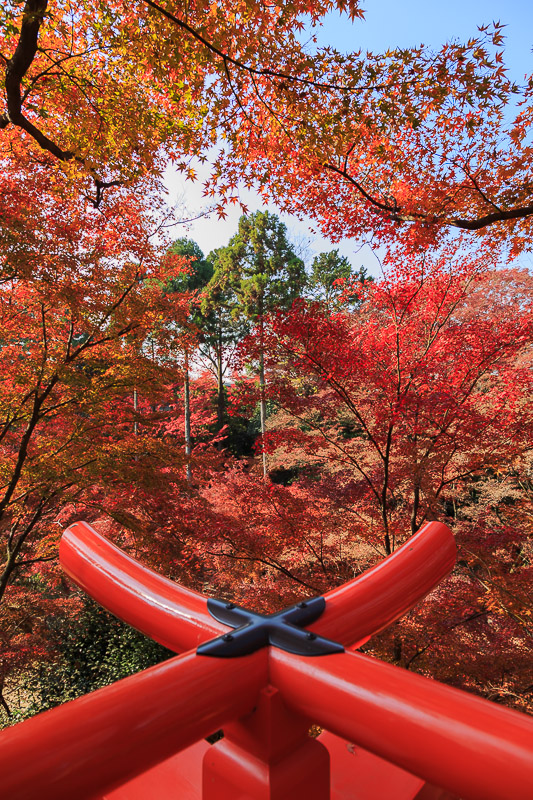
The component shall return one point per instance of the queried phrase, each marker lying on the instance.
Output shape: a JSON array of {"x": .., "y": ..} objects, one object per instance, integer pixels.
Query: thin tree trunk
[
  {"x": 416, "y": 503},
  {"x": 15, "y": 546},
  {"x": 8, "y": 570},
  {"x": 3, "y": 702},
  {"x": 262, "y": 397},
  {"x": 187, "y": 402},
  {"x": 389, "y": 544},
  {"x": 220, "y": 391}
]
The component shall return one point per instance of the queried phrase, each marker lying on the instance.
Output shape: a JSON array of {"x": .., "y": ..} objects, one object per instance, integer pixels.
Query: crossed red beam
[{"x": 454, "y": 740}]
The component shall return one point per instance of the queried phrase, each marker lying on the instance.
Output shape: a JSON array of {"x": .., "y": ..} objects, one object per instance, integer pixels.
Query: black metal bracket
[{"x": 253, "y": 631}]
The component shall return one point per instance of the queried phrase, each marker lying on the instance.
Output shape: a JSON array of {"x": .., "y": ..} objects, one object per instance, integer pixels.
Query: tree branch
[
  {"x": 394, "y": 212},
  {"x": 16, "y": 68}
]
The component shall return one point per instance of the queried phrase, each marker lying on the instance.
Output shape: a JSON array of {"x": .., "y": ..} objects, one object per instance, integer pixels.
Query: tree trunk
[
  {"x": 14, "y": 546},
  {"x": 262, "y": 395},
  {"x": 8, "y": 570},
  {"x": 220, "y": 391},
  {"x": 12, "y": 560},
  {"x": 3, "y": 703},
  {"x": 416, "y": 503},
  {"x": 187, "y": 402},
  {"x": 389, "y": 543}
]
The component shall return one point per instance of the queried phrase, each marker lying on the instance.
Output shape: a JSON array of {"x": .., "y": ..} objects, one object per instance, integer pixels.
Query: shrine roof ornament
[{"x": 387, "y": 732}]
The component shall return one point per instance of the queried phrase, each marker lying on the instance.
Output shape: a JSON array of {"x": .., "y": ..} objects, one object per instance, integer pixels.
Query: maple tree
[
  {"x": 475, "y": 630},
  {"x": 265, "y": 544},
  {"x": 360, "y": 128},
  {"x": 407, "y": 409},
  {"x": 412, "y": 406},
  {"x": 77, "y": 76},
  {"x": 424, "y": 385},
  {"x": 410, "y": 143},
  {"x": 79, "y": 293}
]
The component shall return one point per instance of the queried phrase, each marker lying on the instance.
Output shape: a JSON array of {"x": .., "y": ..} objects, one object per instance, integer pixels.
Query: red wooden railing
[{"x": 389, "y": 733}]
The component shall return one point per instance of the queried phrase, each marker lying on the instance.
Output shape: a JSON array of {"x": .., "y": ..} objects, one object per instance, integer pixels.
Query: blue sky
[
  {"x": 387, "y": 24},
  {"x": 411, "y": 22}
]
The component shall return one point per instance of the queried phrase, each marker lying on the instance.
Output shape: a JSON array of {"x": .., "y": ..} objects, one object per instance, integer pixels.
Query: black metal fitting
[{"x": 253, "y": 631}]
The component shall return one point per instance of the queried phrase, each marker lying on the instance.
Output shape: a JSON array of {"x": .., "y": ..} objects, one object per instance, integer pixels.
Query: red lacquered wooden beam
[
  {"x": 469, "y": 746},
  {"x": 372, "y": 601},
  {"x": 89, "y": 746},
  {"x": 167, "y": 612}
]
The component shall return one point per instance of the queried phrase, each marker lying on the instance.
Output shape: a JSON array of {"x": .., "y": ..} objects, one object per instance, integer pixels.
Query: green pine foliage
[{"x": 94, "y": 650}]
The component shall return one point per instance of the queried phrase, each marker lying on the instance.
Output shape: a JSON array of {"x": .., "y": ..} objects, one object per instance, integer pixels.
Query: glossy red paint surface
[
  {"x": 381, "y": 595},
  {"x": 267, "y": 755},
  {"x": 230, "y": 773},
  {"x": 100, "y": 745},
  {"x": 177, "y": 778},
  {"x": 83, "y": 749},
  {"x": 357, "y": 774},
  {"x": 452, "y": 739},
  {"x": 167, "y": 612}
]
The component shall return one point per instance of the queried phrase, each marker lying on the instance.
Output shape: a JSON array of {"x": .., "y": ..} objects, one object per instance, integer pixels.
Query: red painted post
[
  {"x": 454, "y": 740},
  {"x": 267, "y": 755},
  {"x": 87, "y": 747},
  {"x": 371, "y": 602},
  {"x": 167, "y": 612},
  {"x": 265, "y": 700}
]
